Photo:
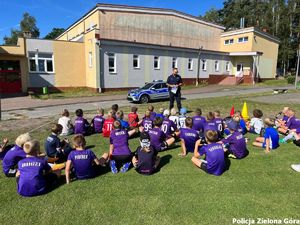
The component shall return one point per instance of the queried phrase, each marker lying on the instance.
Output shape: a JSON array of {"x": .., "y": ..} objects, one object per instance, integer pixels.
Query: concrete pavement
[{"x": 25, "y": 107}]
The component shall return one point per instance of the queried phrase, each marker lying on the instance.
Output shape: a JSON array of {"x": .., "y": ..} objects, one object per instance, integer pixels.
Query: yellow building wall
[
  {"x": 69, "y": 64},
  {"x": 90, "y": 46},
  {"x": 268, "y": 61},
  {"x": 237, "y": 47},
  {"x": 19, "y": 49}
]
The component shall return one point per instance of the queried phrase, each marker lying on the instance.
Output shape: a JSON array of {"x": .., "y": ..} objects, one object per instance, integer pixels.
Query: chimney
[{"x": 242, "y": 23}]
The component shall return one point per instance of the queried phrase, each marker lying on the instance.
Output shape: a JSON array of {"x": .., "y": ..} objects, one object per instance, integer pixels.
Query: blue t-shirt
[
  {"x": 273, "y": 136},
  {"x": 52, "y": 145}
]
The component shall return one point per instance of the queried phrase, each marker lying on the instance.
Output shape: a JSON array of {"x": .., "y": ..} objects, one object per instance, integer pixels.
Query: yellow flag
[{"x": 245, "y": 112}]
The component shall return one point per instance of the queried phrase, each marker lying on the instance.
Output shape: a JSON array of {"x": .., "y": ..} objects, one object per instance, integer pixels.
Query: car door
[
  {"x": 156, "y": 91},
  {"x": 164, "y": 91}
]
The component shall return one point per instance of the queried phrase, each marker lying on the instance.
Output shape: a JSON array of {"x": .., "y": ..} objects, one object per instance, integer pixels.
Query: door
[
  {"x": 239, "y": 70},
  {"x": 10, "y": 77}
]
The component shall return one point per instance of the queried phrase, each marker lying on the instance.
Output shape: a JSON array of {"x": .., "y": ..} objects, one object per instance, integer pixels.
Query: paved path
[{"x": 25, "y": 107}]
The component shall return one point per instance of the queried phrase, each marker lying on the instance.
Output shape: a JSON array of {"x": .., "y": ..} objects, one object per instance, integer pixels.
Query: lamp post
[{"x": 297, "y": 71}]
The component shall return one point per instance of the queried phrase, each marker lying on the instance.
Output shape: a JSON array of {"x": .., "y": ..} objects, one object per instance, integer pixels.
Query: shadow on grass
[{"x": 164, "y": 160}]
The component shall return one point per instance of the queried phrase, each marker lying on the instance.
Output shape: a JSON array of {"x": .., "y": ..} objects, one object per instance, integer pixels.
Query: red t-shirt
[
  {"x": 107, "y": 127},
  {"x": 133, "y": 119}
]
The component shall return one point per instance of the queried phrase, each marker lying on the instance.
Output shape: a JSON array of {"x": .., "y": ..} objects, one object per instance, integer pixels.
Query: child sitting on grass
[
  {"x": 235, "y": 143},
  {"x": 270, "y": 140},
  {"x": 4, "y": 147},
  {"x": 66, "y": 123},
  {"x": 83, "y": 160},
  {"x": 199, "y": 122},
  {"x": 34, "y": 176},
  {"x": 160, "y": 113},
  {"x": 120, "y": 118},
  {"x": 188, "y": 137},
  {"x": 146, "y": 124},
  {"x": 173, "y": 117},
  {"x": 133, "y": 118},
  {"x": 145, "y": 160},
  {"x": 55, "y": 148},
  {"x": 181, "y": 118},
  {"x": 158, "y": 138},
  {"x": 168, "y": 126},
  {"x": 152, "y": 113},
  {"x": 256, "y": 124},
  {"x": 219, "y": 122},
  {"x": 119, "y": 151},
  {"x": 82, "y": 126},
  {"x": 98, "y": 121},
  {"x": 14, "y": 155},
  {"x": 214, "y": 162},
  {"x": 114, "y": 110},
  {"x": 210, "y": 122},
  {"x": 108, "y": 124}
]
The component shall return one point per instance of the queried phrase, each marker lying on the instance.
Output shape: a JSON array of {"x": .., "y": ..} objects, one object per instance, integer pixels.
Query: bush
[{"x": 290, "y": 79}]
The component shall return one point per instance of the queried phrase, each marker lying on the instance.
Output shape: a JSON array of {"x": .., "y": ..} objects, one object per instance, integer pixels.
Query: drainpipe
[
  {"x": 199, "y": 65},
  {"x": 98, "y": 64},
  {"x": 297, "y": 72},
  {"x": 254, "y": 70}
]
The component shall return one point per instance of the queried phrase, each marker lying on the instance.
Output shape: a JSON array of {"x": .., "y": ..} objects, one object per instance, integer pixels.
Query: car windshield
[{"x": 147, "y": 86}]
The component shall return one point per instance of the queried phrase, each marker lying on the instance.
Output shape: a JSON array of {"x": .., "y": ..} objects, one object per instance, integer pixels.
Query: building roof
[
  {"x": 139, "y": 9},
  {"x": 251, "y": 29}
]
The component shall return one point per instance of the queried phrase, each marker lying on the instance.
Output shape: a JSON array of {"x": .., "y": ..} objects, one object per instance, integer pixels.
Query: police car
[{"x": 155, "y": 90}]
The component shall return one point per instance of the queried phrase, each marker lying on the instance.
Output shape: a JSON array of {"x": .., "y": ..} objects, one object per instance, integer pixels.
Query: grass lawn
[{"x": 262, "y": 185}]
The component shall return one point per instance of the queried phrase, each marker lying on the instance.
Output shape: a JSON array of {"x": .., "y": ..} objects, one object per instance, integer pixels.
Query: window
[
  {"x": 112, "y": 63},
  {"x": 90, "y": 59},
  {"x": 240, "y": 67},
  {"x": 243, "y": 39},
  {"x": 227, "y": 66},
  {"x": 228, "y": 42},
  {"x": 216, "y": 66},
  {"x": 174, "y": 63},
  {"x": 41, "y": 62},
  {"x": 190, "y": 64},
  {"x": 204, "y": 64},
  {"x": 136, "y": 61},
  {"x": 156, "y": 63},
  {"x": 157, "y": 86}
]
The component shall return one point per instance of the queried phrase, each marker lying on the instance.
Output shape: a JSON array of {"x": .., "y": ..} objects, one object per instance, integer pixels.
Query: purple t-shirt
[
  {"x": 98, "y": 122},
  {"x": 82, "y": 162},
  {"x": 147, "y": 123},
  {"x": 81, "y": 125},
  {"x": 12, "y": 157},
  {"x": 168, "y": 127},
  {"x": 215, "y": 158},
  {"x": 293, "y": 123},
  {"x": 199, "y": 123},
  {"x": 190, "y": 137},
  {"x": 285, "y": 118},
  {"x": 157, "y": 136},
  {"x": 210, "y": 125},
  {"x": 152, "y": 115},
  {"x": 146, "y": 160},
  {"x": 219, "y": 124},
  {"x": 119, "y": 139},
  {"x": 32, "y": 181},
  {"x": 237, "y": 144}
]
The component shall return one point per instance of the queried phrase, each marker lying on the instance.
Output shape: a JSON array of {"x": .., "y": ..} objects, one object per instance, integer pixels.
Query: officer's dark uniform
[{"x": 175, "y": 80}]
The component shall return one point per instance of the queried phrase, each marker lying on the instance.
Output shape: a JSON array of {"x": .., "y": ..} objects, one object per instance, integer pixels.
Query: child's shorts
[
  {"x": 203, "y": 166},
  {"x": 163, "y": 146}
]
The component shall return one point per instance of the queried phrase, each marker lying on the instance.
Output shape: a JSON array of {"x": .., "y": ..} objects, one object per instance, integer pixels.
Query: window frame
[
  {"x": 217, "y": 66},
  {"x": 158, "y": 62},
  {"x": 227, "y": 66},
  {"x": 90, "y": 59},
  {"x": 45, "y": 60},
  {"x": 138, "y": 61},
  {"x": 190, "y": 64},
  {"x": 230, "y": 41},
  {"x": 110, "y": 55},
  {"x": 204, "y": 65},
  {"x": 174, "y": 62},
  {"x": 244, "y": 39}
]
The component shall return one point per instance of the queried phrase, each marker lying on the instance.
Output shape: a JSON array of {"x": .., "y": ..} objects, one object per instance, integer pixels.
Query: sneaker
[
  {"x": 125, "y": 167},
  {"x": 296, "y": 167},
  {"x": 282, "y": 141},
  {"x": 232, "y": 156},
  {"x": 113, "y": 166}
]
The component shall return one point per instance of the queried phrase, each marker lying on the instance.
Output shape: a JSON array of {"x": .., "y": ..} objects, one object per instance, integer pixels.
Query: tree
[
  {"x": 54, "y": 33},
  {"x": 212, "y": 15},
  {"x": 27, "y": 24}
]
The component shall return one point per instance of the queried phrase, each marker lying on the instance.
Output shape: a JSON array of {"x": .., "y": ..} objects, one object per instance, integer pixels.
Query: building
[{"x": 117, "y": 46}]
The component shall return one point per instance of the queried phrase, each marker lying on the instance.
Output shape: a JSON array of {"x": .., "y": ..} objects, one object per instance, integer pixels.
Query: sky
[{"x": 62, "y": 13}]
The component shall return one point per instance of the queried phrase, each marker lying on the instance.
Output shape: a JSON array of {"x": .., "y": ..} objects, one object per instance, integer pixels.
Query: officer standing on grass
[{"x": 174, "y": 83}]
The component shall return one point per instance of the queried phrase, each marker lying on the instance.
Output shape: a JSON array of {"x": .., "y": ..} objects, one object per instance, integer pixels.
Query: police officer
[{"x": 174, "y": 83}]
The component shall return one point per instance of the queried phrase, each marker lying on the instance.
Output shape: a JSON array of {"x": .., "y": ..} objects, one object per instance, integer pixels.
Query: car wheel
[{"x": 144, "y": 99}]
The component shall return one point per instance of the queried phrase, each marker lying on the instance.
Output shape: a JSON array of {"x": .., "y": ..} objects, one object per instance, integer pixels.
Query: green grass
[
  {"x": 279, "y": 82},
  {"x": 262, "y": 185}
]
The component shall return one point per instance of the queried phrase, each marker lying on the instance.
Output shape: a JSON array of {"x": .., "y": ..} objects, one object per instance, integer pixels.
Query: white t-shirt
[
  {"x": 182, "y": 121},
  {"x": 257, "y": 124},
  {"x": 66, "y": 124}
]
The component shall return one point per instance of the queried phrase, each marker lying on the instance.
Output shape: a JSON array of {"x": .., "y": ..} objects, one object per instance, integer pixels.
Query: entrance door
[
  {"x": 239, "y": 70},
  {"x": 10, "y": 77}
]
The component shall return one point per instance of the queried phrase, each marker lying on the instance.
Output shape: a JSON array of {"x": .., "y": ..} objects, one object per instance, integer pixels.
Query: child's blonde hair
[
  {"x": 211, "y": 136},
  {"x": 22, "y": 139},
  {"x": 110, "y": 114},
  {"x": 217, "y": 113},
  {"x": 270, "y": 122},
  {"x": 32, "y": 147},
  {"x": 120, "y": 114},
  {"x": 161, "y": 110},
  {"x": 236, "y": 118},
  {"x": 100, "y": 111},
  {"x": 173, "y": 112},
  {"x": 79, "y": 141},
  {"x": 147, "y": 113}
]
